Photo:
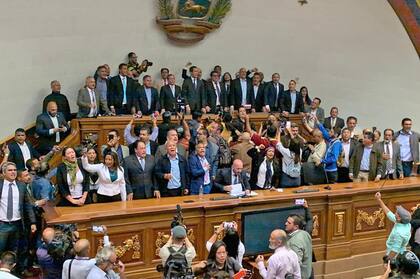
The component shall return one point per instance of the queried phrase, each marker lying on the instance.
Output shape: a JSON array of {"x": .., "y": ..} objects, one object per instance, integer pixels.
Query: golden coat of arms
[{"x": 188, "y": 21}]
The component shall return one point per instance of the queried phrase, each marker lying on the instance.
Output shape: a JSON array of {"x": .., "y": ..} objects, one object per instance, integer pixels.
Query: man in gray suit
[
  {"x": 300, "y": 242},
  {"x": 89, "y": 100},
  {"x": 227, "y": 177},
  {"x": 391, "y": 156},
  {"x": 139, "y": 174},
  {"x": 315, "y": 110},
  {"x": 171, "y": 135},
  {"x": 409, "y": 146}
]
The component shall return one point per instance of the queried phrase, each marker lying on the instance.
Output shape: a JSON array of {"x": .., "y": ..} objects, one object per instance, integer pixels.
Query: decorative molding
[
  {"x": 370, "y": 219},
  {"x": 219, "y": 235},
  {"x": 339, "y": 225},
  {"x": 414, "y": 208},
  {"x": 315, "y": 227},
  {"x": 162, "y": 238},
  {"x": 129, "y": 244}
]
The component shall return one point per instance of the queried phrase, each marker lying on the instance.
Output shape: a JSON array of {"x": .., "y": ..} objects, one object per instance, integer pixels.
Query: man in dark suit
[
  {"x": 272, "y": 93},
  {"x": 121, "y": 92},
  {"x": 193, "y": 90},
  {"x": 89, "y": 101},
  {"x": 225, "y": 178},
  {"x": 256, "y": 94},
  {"x": 333, "y": 121},
  {"x": 391, "y": 156},
  {"x": 217, "y": 96},
  {"x": 199, "y": 170},
  {"x": 348, "y": 146},
  {"x": 51, "y": 127},
  {"x": 102, "y": 84},
  {"x": 171, "y": 173},
  {"x": 169, "y": 94},
  {"x": 147, "y": 98},
  {"x": 21, "y": 150},
  {"x": 291, "y": 101},
  {"x": 239, "y": 89},
  {"x": 144, "y": 136},
  {"x": 59, "y": 99},
  {"x": 12, "y": 217},
  {"x": 139, "y": 174}
]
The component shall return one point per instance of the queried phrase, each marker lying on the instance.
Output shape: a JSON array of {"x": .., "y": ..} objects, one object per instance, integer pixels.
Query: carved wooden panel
[
  {"x": 129, "y": 247},
  {"x": 316, "y": 219},
  {"x": 339, "y": 223},
  {"x": 369, "y": 219}
]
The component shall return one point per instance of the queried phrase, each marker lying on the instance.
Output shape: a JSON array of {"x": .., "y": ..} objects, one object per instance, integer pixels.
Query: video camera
[{"x": 180, "y": 104}]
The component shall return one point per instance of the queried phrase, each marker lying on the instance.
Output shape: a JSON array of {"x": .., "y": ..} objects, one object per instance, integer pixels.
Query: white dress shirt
[
  {"x": 54, "y": 120},
  {"x": 346, "y": 149},
  {"x": 217, "y": 90},
  {"x": 105, "y": 186},
  {"x": 25, "y": 151},
  {"x": 262, "y": 172},
  {"x": 5, "y": 274},
  {"x": 124, "y": 85},
  {"x": 172, "y": 87},
  {"x": 244, "y": 88},
  {"x": 388, "y": 163},
  {"x": 92, "y": 111},
  {"x": 76, "y": 191},
  {"x": 283, "y": 261},
  {"x": 405, "y": 149},
  {"x": 97, "y": 273},
  {"x": 4, "y": 199}
]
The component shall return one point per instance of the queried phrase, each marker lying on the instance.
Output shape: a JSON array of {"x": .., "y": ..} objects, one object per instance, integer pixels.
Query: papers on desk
[{"x": 238, "y": 192}]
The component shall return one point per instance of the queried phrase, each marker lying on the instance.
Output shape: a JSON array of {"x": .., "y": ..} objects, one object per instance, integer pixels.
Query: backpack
[
  {"x": 176, "y": 264},
  {"x": 293, "y": 170}
]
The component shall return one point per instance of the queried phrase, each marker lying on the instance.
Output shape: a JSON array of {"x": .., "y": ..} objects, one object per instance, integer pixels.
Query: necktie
[
  {"x": 389, "y": 161},
  {"x": 268, "y": 174},
  {"x": 142, "y": 163},
  {"x": 217, "y": 93},
  {"x": 276, "y": 86},
  {"x": 9, "y": 213},
  {"x": 93, "y": 100},
  {"x": 195, "y": 83},
  {"x": 235, "y": 181},
  {"x": 124, "y": 84}
]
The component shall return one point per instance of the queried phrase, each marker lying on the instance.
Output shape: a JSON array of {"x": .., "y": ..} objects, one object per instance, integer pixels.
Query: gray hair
[
  {"x": 5, "y": 165},
  {"x": 88, "y": 78},
  {"x": 104, "y": 255}
]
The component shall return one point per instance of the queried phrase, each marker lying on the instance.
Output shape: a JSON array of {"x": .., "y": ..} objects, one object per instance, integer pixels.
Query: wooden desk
[{"x": 348, "y": 223}]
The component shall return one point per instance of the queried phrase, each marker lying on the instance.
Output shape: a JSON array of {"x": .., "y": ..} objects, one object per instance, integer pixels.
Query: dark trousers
[
  {"x": 103, "y": 198},
  {"x": 9, "y": 236},
  {"x": 172, "y": 192},
  {"x": 332, "y": 176},
  {"x": 407, "y": 168},
  {"x": 343, "y": 175}
]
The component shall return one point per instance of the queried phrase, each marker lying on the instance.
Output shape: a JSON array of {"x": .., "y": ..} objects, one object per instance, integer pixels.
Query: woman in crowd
[
  {"x": 291, "y": 163},
  {"x": 218, "y": 264},
  {"x": 72, "y": 180},
  {"x": 111, "y": 183},
  {"x": 306, "y": 99},
  {"x": 92, "y": 156},
  {"x": 265, "y": 168},
  {"x": 226, "y": 80},
  {"x": 234, "y": 246}
]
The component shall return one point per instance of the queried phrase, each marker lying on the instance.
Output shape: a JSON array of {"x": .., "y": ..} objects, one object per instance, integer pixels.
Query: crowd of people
[{"x": 195, "y": 157}]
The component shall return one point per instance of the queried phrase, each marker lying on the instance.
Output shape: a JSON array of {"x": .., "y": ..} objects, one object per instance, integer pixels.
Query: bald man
[
  {"x": 227, "y": 177},
  {"x": 284, "y": 260},
  {"x": 50, "y": 267},
  {"x": 51, "y": 127},
  {"x": 80, "y": 266},
  {"x": 59, "y": 99}
]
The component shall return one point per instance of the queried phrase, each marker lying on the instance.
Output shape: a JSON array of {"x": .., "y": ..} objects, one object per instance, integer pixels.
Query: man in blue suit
[
  {"x": 199, "y": 169},
  {"x": 147, "y": 97},
  {"x": 21, "y": 150}
]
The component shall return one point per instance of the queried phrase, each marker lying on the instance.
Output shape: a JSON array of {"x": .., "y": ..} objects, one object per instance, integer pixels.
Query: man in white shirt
[
  {"x": 7, "y": 263},
  {"x": 284, "y": 260},
  {"x": 106, "y": 259},
  {"x": 391, "y": 156},
  {"x": 89, "y": 100},
  {"x": 20, "y": 151},
  {"x": 80, "y": 266}
]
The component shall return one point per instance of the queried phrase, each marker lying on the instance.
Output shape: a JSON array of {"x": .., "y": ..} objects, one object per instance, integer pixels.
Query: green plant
[
  {"x": 219, "y": 11},
  {"x": 166, "y": 9}
]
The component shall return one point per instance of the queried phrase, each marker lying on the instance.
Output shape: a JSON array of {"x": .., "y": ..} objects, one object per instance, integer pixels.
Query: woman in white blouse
[
  {"x": 111, "y": 183},
  {"x": 291, "y": 163},
  {"x": 72, "y": 180},
  {"x": 234, "y": 247}
]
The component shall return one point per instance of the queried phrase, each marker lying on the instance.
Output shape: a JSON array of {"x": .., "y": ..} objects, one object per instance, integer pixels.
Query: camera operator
[
  {"x": 106, "y": 260},
  {"x": 177, "y": 254},
  {"x": 134, "y": 68},
  {"x": 404, "y": 266},
  {"x": 234, "y": 246},
  {"x": 80, "y": 266},
  {"x": 113, "y": 144}
]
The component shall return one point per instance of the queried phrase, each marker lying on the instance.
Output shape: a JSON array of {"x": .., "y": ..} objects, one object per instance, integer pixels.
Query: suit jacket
[
  {"x": 153, "y": 148},
  {"x": 141, "y": 182},
  {"x": 16, "y": 156},
  {"x": 43, "y": 126},
  {"x": 396, "y": 157},
  {"x": 83, "y": 101},
  {"x": 414, "y": 144},
  {"x": 339, "y": 124},
  {"x": 375, "y": 163},
  {"x": 271, "y": 97},
  {"x": 161, "y": 151},
  {"x": 25, "y": 206},
  {"x": 257, "y": 102},
  {"x": 257, "y": 159},
  {"x": 224, "y": 178},
  {"x": 141, "y": 102},
  {"x": 63, "y": 186},
  {"x": 236, "y": 92},
  {"x": 301, "y": 243},
  {"x": 167, "y": 99},
  {"x": 116, "y": 93},
  {"x": 196, "y": 172},
  {"x": 61, "y": 101},
  {"x": 286, "y": 102},
  {"x": 227, "y": 88},
  {"x": 163, "y": 166},
  {"x": 194, "y": 97},
  {"x": 212, "y": 96},
  {"x": 320, "y": 114}
]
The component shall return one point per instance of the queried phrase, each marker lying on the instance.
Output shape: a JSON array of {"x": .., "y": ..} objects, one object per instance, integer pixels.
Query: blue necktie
[{"x": 124, "y": 84}]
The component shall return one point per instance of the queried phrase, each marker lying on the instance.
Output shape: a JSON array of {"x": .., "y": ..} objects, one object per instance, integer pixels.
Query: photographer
[
  {"x": 113, "y": 144},
  {"x": 177, "y": 254},
  {"x": 234, "y": 246},
  {"x": 405, "y": 266}
]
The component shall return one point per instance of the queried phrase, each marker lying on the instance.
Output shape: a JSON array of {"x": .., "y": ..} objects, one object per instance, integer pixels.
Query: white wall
[{"x": 353, "y": 54}]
